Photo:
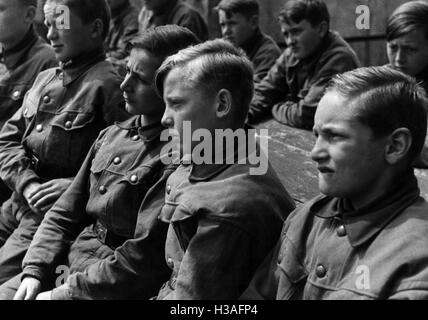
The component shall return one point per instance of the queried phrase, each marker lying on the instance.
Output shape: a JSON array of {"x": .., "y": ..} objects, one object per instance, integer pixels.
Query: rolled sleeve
[
  {"x": 301, "y": 113},
  {"x": 272, "y": 89},
  {"x": 15, "y": 164}
]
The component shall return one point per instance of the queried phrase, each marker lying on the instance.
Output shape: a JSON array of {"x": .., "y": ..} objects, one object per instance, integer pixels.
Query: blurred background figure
[
  {"x": 123, "y": 27},
  {"x": 162, "y": 12},
  {"x": 239, "y": 23}
]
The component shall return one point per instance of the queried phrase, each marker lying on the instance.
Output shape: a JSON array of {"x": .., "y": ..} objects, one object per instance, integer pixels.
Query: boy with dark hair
[
  {"x": 314, "y": 54},
  {"x": 44, "y": 144},
  {"x": 162, "y": 12},
  {"x": 22, "y": 57},
  {"x": 370, "y": 126},
  {"x": 407, "y": 47},
  {"x": 407, "y": 40},
  {"x": 239, "y": 22},
  {"x": 111, "y": 210},
  {"x": 223, "y": 217}
]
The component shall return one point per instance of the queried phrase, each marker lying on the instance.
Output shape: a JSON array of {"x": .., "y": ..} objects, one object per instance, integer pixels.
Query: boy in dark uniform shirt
[
  {"x": 44, "y": 144},
  {"x": 22, "y": 57}
]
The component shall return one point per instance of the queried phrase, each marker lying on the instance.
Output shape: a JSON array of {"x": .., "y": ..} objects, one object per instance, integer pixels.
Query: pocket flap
[
  {"x": 172, "y": 213},
  {"x": 14, "y": 92},
  {"x": 135, "y": 177},
  {"x": 72, "y": 120}
]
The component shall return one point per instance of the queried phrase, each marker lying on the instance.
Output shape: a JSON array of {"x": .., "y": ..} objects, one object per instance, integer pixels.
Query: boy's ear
[
  {"x": 254, "y": 21},
  {"x": 30, "y": 14},
  {"x": 224, "y": 103},
  {"x": 398, "y": 146},
  {"x": 97, "y": 29},
  {"x": 323, "y": 28}
]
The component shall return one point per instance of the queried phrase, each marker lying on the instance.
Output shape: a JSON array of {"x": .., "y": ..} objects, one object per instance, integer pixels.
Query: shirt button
[
  {"x": 61, "y": 76},
  {"x": 135, "y": 138},
  {"x": 39, "y": 128},
  {"x": 341, "y": 231},
  {"x": 168, "y": 189},
  {"x": 68, "y": 124},
  {"x": 46, "y": 99},
  {"x": 170, "y": 263},
  {"x": 16, "y": 95},
  {"x": 134, "y": 178},
  {"x": 320, "y": 271},
  {"x": 102, "y": 190},
  {"x": 117, "y": 160}
]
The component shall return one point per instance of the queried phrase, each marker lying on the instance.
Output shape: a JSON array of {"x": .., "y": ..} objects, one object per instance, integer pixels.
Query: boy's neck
[
  {"x": 85, "y": 55},
  {"x": 149, "y": 120}
]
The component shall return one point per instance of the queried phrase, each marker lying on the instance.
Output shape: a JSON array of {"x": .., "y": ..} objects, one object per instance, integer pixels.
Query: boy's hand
[
  {"x": 43, "y": 197},
  {"x": 29, "y": 289},
  {"x": 29, "y": 191}
]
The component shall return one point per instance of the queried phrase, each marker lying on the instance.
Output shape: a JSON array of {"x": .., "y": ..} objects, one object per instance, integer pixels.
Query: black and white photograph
[{"x": 222, "y": 156}]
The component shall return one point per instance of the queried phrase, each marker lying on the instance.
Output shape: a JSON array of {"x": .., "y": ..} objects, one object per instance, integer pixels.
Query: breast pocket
[
  {"x": 117, "y": 192},
  {"x": 69, "y": 137},
  {"x": 292, "y": 273},
  {"x": 12, "y": 97},
  {"x": 124, "y": 203}
]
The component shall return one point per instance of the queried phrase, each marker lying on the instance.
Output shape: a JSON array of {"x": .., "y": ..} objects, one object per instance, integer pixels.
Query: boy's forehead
[{"x": 230, "y": 15}]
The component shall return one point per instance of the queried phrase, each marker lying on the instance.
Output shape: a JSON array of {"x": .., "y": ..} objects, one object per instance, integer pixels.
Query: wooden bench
[{"x": 289, "y": 154}]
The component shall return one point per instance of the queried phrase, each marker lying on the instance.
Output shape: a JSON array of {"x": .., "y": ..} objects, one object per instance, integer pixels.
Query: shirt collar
[
  {"x": 423, "y": 78},
  {"x": 74, "y": 68},
  {"x": 12, "y": 57},
  {"x": 205, "y": 172},
  {"x": 365, "y": 223},
  {"x": 146, "y": 133}
]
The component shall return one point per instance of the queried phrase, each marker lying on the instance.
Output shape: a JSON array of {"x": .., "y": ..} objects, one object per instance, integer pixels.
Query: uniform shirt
[
  {"x": 223, "y": 222},
  {"x": 123, "y": 27},
  {"x": 175, "y": 12},
  {"x": 292, "y": 89},
  {"x": 21, "y": 66},
  {"x": 61, "y": 115},
  {"x": 120, "y": 185},
  {"x": 263, "y": 51},
  {"x": 328, "y": 250}
]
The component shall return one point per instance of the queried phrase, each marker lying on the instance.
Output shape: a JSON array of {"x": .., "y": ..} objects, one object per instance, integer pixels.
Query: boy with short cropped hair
[
  {"x": 365, "y": 237},
  {"x": 223, "y": 218},
  {"x": 44, "y": 144}
]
